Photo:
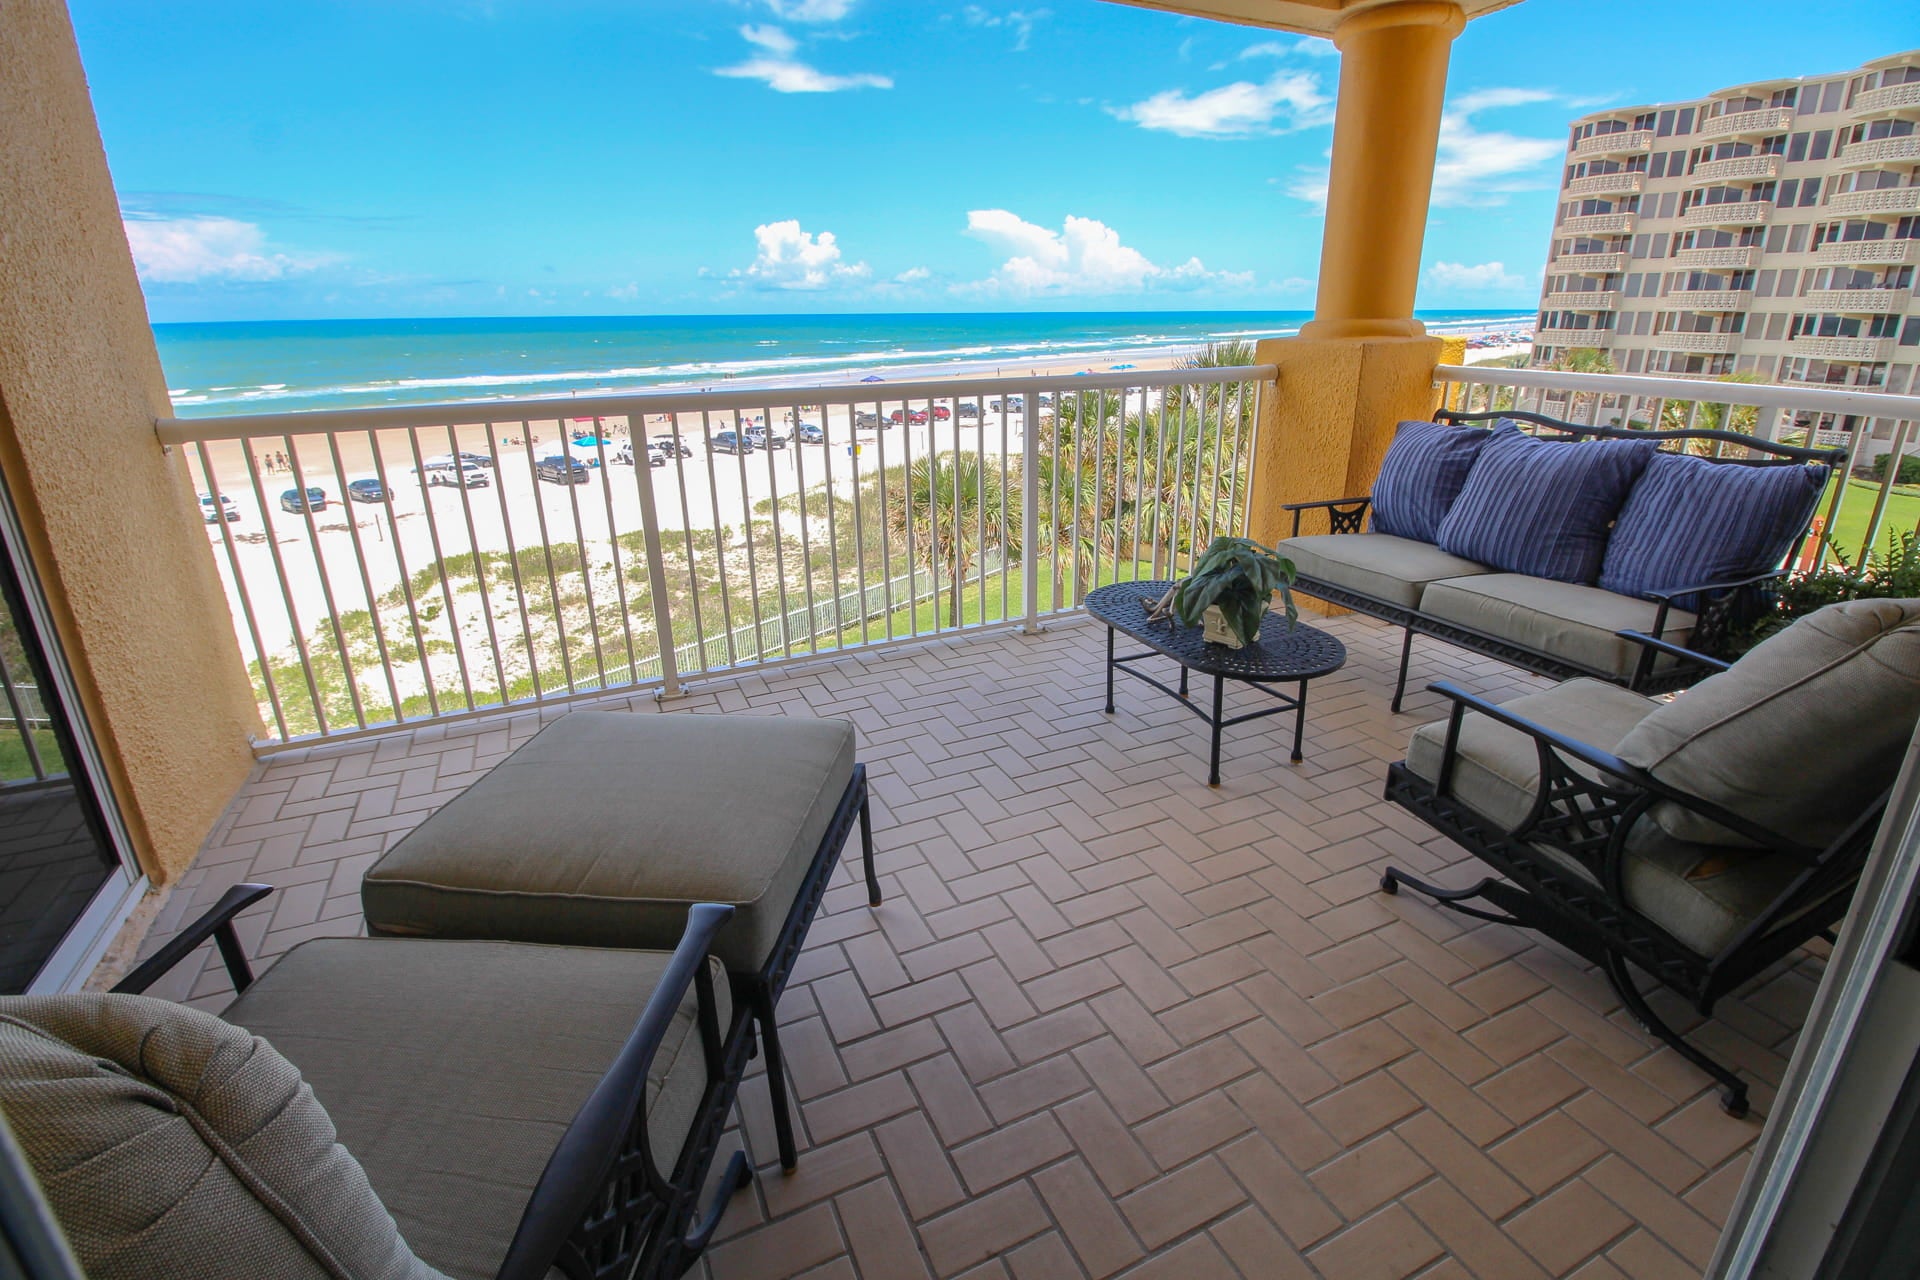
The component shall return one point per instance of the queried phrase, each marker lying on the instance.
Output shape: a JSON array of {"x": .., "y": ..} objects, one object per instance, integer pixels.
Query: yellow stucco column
[{"x": 1363, "y": 362}]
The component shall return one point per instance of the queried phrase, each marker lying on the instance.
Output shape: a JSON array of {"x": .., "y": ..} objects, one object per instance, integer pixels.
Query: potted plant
[{"x": 1231, "y": 589}]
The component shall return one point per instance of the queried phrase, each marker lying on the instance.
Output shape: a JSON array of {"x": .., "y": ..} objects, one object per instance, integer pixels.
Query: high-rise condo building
[{"x": 1771, "y": 228}]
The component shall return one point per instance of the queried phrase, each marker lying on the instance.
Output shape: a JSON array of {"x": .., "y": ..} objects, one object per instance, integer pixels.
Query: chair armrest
[
  {"x": 217, "y": 924},
  {"x": 1332, "y": 506},
  {"x": 1585, "y": 752},
  {"x": 608, "y": 1136},
  {"x": 1713, "y": 588},
  {"x": 1673, "y": 650}
]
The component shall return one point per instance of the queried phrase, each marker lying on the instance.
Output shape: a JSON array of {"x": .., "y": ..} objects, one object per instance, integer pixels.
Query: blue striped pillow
[
  {"x": 1424, "y": 470},
  {"x": 1690, "y": 522},
  {"x": 1542, "y": 507}
]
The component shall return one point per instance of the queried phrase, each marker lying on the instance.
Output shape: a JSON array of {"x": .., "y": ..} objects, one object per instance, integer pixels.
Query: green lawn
[
  {"x": 921, "y": 619},
  {"x": 1902, "y": 515},
  {"x": 14, "y": 764}
]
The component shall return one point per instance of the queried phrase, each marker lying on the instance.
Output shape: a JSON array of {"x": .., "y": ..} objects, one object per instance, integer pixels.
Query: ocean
[{"x": 285, "y": 366}]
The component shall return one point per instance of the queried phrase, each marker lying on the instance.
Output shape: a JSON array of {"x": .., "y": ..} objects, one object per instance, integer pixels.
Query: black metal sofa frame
[
  {"x": 602, "y": 1208},
  {"x": 1726, "y": 604},
  {"x": 1588, "y": 820}
]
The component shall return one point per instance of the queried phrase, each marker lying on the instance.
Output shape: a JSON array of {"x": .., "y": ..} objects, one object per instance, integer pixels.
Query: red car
[
  {"x": 918, "y": 417},
  {"x": 941, "y": 413}
]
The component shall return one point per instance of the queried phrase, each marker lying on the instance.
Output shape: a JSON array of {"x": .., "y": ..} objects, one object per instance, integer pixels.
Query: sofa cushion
[
  {"x": 453, "y": 1068},
  {"x": 1691, "y": 522},
  {"x": 1569, "y": 621},
  {"x": 1696, "y": 893},
  {"x": 171, "y": 1143},
  {"x": 1424, "y": 470},
  {"x": 606, "y": 826},
  {"x": 1379, "y": 565},
  {"x": 1800, "y": 735},
  {"x": 1542, "y": 507}
]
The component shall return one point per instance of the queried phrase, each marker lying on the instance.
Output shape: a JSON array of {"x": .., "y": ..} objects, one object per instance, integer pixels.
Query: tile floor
[{"x": 1110, "y": 1022}]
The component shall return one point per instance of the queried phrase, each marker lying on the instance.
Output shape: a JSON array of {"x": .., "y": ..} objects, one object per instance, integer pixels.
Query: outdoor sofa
[
  {"x": 1700, "y": 838},
  {"x": 1538, "y": 546}
]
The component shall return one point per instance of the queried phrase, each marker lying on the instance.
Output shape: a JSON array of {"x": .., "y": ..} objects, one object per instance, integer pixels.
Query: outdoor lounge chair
[
  {"x": 1699, "y": 840},
  {"x": 502, "y": 1110}
]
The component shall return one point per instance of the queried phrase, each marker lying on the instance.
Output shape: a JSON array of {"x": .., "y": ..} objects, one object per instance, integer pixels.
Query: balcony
[
  {"x": 1735, "y": 169},
  {"x": 1859, "y": 302},
  {"x": 1861, "y": 349},
  {"x": 1607, "y": 184},
  {"x": 1886, "y": 252},
  {"x": 1590, "y": 263},
  {"x": 1631, "y": 142},
  {"x": 1902, "y": 99},
  {"x": 1572, "y": 337},
  {"x": 1744, "y": 124},
  {"x": 1709, "y": 299},
  {"x": 1596, "y": 224},
  {"x": 1880, "y": 151},
  {"x": 1699, "y": 343},
  {"x": 1731, "y": 257},
  {"x": 1742, "y": 213},
  {"x": 1588, "y": 300},
  {"x": 1885, "y": 200}
]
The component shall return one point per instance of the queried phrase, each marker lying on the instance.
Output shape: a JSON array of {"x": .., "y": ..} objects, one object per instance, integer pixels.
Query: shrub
[{"x": 1909, "y": 469}]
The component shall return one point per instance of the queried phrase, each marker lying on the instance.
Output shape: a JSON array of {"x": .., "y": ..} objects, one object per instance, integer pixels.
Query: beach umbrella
[{"x": 873, "y": 377}]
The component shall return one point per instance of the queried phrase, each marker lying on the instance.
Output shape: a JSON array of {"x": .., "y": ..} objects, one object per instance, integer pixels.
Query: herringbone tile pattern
[{"x": 1112, "y": 1022}]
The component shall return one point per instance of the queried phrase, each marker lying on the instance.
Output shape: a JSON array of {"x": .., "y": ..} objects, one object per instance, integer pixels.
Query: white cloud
[
  {"x": 1084, "y": 257},
  {"x": 1310, "y": 46},
  {"x": 811, "y": 10},
  {"x": 789, "y": 258},
  {"x": 1284, "y": 101},
  {"x": 1476, "y": 167},
  {"x": 1019, "y": 21},
  {"x": 783, "y": 73},
  {"x": 189, "y": 249},
  {"x": 1482, "y": 277},
  {"x": 912, "y": 275}
]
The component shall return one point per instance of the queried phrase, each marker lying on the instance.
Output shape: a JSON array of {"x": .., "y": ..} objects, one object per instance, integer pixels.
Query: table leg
[
  {"x": 1219, "y": 688},
  {"x": 1299, "y": 721},
  {"x": 1183, "y": 679},
  {"x": 1109, "y": 670}
]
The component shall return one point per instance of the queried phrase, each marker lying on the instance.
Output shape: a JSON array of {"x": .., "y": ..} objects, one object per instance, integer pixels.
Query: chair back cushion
[
  {"x": 1425, "y": 468},
  {"x": 1542, "y": 507},
  {"x": 170, "y": 1143},
  {"x": 1691, "y": 522},
  {"x": 1800, "y": 735}
]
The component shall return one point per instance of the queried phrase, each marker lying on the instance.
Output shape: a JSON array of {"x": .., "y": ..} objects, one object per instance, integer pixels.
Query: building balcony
[
  {"x": 1607, "y": 184},
  {"x": 1572, "y": 337},
  {"x": 1714, "y": 344},
  {"x": 1861, "y": 349},
  {"x": 1602, "y": 264},
  {"x": 1886, "y": 200},
  {"x": 1631, "y": 142},
  {"x": 1597, "y": 224},
  {"x": 1744, "y": 124},
  {"x": 1708, "y": 299},
  {"x": 1743, "y": 213},
  {"x": 1887, "y": 252},
  {"x": 1735, "y": 169},
  {"x": 1859, "y": 302},
  {"x": 1729, "y": 257},
  {"x": 1879, "y": 151},
  {"x": 1582, "y": 300},
  {"x": 1891, "y": 99}
]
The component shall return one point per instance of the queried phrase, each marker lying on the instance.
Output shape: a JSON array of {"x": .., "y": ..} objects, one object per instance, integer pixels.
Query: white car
[
  {"x": 463, "y": 474},
  {"x": 211, "y": 513}
]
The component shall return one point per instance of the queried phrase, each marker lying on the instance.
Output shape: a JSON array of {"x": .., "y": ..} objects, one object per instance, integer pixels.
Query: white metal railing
[
  {"x": 1867, "y": 424},
  {"x": 425, "y": 590},
  {"x": 1877, "y": 200},
  {"x": 1733, "y": 124},
  {"x": 1861, "y": 155}
]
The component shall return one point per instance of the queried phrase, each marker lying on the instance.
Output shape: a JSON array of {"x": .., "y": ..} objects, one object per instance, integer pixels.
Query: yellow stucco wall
[{"x": 112, "y": 521}]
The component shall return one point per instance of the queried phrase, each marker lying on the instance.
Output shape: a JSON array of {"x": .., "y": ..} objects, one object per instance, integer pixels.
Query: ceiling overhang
[{"x": 1308, "y": 17}]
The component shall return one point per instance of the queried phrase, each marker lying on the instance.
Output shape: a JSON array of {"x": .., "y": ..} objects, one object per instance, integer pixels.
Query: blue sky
[{"x": 303, "y": 159}]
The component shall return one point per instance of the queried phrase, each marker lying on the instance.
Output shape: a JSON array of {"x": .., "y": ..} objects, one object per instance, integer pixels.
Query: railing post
[
  {"x": 657, "y": 576},
  {"x": 1029, "y": 510}
]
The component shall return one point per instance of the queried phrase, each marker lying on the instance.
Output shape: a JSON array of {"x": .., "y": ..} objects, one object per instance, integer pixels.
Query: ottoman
[{"x": 607, "y": 826}]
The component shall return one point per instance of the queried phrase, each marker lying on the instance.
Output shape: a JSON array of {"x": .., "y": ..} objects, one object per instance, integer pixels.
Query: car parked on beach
[
  {"x": 561, "y": 469},
  {"x": 967, "y": 410},
  {"x": 766, "y": 438},
  {"x": 369, "y": 490},
  {"x": 1012, "y": 404},
  {"x": 462, "y": 474},
  {"x": 477, "y": 459},
  {"x": 918, "y": 417},
  {"x": 809, "y": 433},
  {"x": 315, "y": 500},
  {"x": 211, "y": 512},
  {"x": 865, "y": 418},
  {"x": 941, "y": 413},
  {"x": 665, "y": 446},
  {"x": 729, "y": 442}
]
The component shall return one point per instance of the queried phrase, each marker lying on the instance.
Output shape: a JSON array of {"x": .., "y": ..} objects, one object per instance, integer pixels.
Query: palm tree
[
  {"x": 1582, "y": 360},
  {"x": 1677, "y": 415},
  {"x": 953, "y": 509}
]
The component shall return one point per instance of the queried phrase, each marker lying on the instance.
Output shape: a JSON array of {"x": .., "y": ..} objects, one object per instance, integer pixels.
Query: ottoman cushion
[{"x": 607, "y": 825}]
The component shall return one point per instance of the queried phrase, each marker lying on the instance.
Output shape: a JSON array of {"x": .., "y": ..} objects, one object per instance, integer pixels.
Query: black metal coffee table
[{"x": 1279, "y": 656}]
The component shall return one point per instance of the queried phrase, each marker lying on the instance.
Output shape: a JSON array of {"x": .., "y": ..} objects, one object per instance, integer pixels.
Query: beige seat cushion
[
  {"x": 1697, "y": 893},
  {"x": 1801, "y": 734},
  {"x": 607, "y": 825},
  {"x": 453, "y": 1068},
  {"x": 1380, "y": 565},
  {"x": 1566, "y": 619},
  {"x": 170, "y": 1143}
]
